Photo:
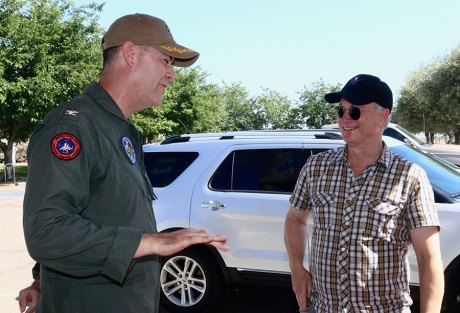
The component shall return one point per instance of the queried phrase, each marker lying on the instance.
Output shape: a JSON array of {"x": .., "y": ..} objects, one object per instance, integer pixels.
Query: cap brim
[
  {"x": 333, "y": 97},
  {"x": 183, "y": 56},
  {"x": 184, "y": 62}
]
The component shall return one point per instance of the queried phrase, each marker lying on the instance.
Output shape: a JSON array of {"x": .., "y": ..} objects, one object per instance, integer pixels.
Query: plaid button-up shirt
[{"x": 360, "y": 240}]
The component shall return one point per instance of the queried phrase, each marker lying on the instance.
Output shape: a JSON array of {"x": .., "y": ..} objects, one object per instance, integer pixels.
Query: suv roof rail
[
  {"x": 252, "y": 134},
  {"x": 329, "y": 135},
  {"x": 174, "y": 139}
]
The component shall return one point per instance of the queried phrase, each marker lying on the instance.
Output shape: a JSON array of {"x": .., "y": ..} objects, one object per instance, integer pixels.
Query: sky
[{"x": 288, "y": 45}]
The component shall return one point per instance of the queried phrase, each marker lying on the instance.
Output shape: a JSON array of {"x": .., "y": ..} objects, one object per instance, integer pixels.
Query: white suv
[{"x": 238, "y": 184}]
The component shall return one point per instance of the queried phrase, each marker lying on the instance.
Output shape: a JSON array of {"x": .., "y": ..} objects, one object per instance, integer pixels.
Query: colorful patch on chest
[
  {"x": 129, "y": 149},
  {"x": 65, "y": 146}
]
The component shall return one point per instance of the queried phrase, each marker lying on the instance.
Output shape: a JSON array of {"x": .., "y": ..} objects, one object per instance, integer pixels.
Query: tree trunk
[
  {"x": 8, "y": 153},
  {"x": 7, "y": 147},
  {"x": 8, "y": 163},
  {"x": 457, "y": 137}
]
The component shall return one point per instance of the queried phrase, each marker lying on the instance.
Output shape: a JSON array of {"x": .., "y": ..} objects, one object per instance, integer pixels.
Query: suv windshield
[
  {"x": 440, "y": 175},
  {"x": 406, "y": 133}
]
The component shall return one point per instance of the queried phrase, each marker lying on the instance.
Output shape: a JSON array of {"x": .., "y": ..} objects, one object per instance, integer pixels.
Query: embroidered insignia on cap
[
  {"x": 65, "y": 146},
  {"x": 129, "y": 149},
  {"x": 355, "y": 80},
  {"x": 175, "y": 49}
]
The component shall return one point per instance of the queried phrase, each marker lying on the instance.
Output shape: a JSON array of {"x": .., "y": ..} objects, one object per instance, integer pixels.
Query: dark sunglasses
[{"x": 353, "y": 111}]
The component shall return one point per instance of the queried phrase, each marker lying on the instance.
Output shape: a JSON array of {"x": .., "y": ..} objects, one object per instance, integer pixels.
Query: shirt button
[
  {"x": 347, "y": 223},
  {"x": 343, "y": 249}
]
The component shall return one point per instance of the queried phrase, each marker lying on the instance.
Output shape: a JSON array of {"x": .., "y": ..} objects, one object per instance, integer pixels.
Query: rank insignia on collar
[
  {"x": 129, "y": 149},
  {"x": 65, "y": 146},
  {"x": 71, "y": 112}
]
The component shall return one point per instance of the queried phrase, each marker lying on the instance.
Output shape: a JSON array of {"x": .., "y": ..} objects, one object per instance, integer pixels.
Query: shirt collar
[
  {"x": 385, "y": 158},
  {"x": 102, "y": 98}
]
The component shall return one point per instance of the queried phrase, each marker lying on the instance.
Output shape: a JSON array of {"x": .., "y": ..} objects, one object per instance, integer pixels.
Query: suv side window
[
  {"x": 259, "y": 170},
  {"x": 164, "y": 167}
]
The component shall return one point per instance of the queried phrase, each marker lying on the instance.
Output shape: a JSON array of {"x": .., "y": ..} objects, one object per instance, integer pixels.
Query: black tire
[
  {"x": 452, "y": 297},
  {"x": 190, "y": 281}
]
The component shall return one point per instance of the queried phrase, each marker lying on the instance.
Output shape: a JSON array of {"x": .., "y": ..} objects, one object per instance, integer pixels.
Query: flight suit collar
[{"x": 103, "y": 98}]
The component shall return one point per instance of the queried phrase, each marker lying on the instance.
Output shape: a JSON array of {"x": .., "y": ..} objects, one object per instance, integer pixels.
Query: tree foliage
[
  {"x": 49, "y": 51},
  {"x": 274, "y": 110},
  {"x": 430, "y": 99},
  {"x": 313, "y": 111},
  {"x": 189, "y": 105},
  {"x": 241, "y": 109}
]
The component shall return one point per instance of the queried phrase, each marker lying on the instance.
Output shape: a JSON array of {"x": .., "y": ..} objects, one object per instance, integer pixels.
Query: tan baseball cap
[{"x": 147, "y": 30}]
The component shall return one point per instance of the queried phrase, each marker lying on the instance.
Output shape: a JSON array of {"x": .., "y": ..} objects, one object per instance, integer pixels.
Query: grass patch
[{"x": 20, "y": 171}]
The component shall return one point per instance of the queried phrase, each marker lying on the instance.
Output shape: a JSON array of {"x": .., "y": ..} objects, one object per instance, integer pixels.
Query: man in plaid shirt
[{"x": 368, "y": 205}]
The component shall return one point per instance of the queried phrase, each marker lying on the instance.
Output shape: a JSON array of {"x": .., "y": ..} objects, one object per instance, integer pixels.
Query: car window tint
[
  {"x": 164, "y": 167},
  {"x": 393, "y": 133},
  {"x": 261, "y": 170},
  {"x": 222, "y": 178},
  {"x": 318, "y": 150}
]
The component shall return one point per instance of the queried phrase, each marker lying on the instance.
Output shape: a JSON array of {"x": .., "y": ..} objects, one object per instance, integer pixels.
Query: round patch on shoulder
[
  {"x": 65, "y": 146},
  {"x": 129, "y": 149}
]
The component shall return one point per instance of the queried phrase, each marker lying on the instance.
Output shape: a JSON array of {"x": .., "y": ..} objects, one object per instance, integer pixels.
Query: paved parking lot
[{"x": 15, "y": 262}]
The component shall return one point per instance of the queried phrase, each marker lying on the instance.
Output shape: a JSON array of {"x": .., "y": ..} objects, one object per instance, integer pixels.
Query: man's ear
[
  {"x": 386, "y": 113},
  {"x": 128, "y": 51}
]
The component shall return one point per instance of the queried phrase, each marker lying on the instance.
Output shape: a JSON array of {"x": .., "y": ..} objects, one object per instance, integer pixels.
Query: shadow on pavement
[{"x": 256, "y": 302}]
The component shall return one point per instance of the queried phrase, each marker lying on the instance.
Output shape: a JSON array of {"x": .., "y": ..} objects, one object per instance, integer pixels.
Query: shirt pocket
[
  {"x": 325, "y": 210},
  {"x": 382, "y": 219}
]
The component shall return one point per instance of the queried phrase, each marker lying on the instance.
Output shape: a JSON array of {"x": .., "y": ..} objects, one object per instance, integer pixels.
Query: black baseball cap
[{"x": 364, "y": 89}]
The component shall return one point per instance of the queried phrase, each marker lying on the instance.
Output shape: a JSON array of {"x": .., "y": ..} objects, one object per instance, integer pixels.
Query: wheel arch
[
  {"x": 212, "y": 252},
  {"x": 451, "y": 300}
]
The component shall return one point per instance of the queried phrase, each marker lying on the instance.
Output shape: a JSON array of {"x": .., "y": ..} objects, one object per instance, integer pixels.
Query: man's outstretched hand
[{"x": 168, "y": 243}]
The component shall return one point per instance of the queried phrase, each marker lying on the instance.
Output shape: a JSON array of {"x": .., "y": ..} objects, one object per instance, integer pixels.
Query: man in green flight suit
[{"x": 88, "y": 217}]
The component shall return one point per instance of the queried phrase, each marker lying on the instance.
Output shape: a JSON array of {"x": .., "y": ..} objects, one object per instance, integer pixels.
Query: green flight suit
[{"x": 87, "y": 202}]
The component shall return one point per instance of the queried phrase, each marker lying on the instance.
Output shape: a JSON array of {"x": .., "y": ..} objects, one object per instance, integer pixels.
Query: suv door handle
[{"x": 213, "y": 204}]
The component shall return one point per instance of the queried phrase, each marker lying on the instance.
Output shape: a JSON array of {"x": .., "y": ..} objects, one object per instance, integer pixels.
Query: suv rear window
[
  {"x": 261, "y": 170},
  {"x": 164, "y": 167}
]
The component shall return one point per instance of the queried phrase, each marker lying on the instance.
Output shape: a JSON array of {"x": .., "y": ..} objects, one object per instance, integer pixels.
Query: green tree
[
  {"x": 430, "y": 99},
  {"x": 313, "y": 111},
  {"x": 411, "y": 110},
  {"x": 242, "y": 111},
  {"x": 275, "y": 110},
  {"x": 190, "y": 105},
  {"x": 449, "y": 97},
  {"x": 49, "y": 50}
]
